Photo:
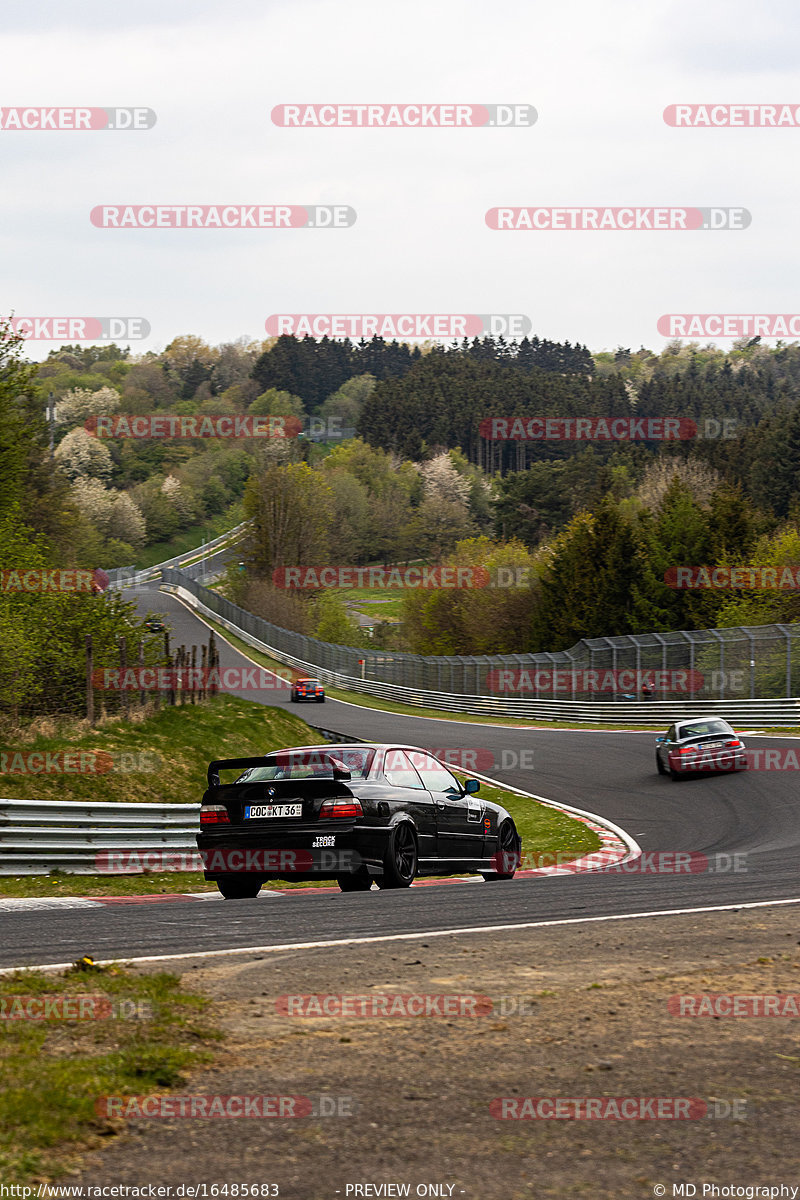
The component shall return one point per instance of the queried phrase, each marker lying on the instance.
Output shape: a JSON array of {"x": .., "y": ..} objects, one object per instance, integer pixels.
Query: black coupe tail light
[
  {"x": 341, "y": 806},
  {"x": 214, "y": 814}
]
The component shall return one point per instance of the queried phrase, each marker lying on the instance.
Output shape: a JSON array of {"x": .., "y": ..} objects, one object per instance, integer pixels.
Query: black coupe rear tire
[
  {"x": 400, "y": 860},
  {"x": 508, "y": 843},
  {"x": 235, "y": 887},
  {"x": 354, "y": 881},
  {"x": 662, "y": 770}
]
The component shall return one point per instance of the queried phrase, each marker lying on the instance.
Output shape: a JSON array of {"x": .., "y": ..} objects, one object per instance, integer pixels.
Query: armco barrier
[
  {"x": 617, "y": 712},
  {"x": 39, "y": 836},
  {"x": 121, "y": 577}
]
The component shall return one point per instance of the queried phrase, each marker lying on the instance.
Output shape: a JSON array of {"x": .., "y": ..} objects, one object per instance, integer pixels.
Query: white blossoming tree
[
  {"x": 74, "y": 407},
  {"x": 82, "y": 456},
  {"x": 112, "y": 514},
  {"x": 182, "y": 497},
  {"x": 441, "y": 481},
  {"x": 126, "y": 522}
]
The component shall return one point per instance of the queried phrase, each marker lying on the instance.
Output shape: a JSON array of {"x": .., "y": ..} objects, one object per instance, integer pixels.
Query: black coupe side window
[
  {"x": 435, "y": 777},
  {"x": 399, "y": 771}
]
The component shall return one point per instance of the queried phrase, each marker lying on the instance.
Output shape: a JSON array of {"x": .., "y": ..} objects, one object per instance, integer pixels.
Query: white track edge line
[{"x": 398, "y": 937}]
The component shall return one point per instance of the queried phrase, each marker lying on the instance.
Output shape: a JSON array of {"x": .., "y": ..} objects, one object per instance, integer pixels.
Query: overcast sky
[{"x": 598, "y": 73}]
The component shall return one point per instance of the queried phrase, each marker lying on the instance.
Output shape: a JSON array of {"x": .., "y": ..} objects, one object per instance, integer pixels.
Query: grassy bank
[
  {"x": 154, "y": 758},
  {"x": 53, "y": 1072}
]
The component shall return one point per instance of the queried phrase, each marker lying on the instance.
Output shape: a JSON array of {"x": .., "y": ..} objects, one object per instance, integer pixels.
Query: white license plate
[
  {"x": 711, "y": 745},
  {"x": 273, "y": 810}
]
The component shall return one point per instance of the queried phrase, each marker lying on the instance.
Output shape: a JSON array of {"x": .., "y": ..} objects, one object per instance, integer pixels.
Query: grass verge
[
  {"x": 53, "y": 1071},
  {"x": 191, "y": 538}
]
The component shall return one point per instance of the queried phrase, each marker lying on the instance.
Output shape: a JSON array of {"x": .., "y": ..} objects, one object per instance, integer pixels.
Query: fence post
[
  {"x": 788, "y": 664},
  {"x": 123, "y": 663},
  {"x": 89, "y": 680},
  {"x": 213, "y": 664},
  {"x": 142, "y": 693}
]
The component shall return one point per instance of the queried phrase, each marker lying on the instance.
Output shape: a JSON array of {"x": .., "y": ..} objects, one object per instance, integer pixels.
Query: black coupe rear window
[{"x": 312, "y": 764}]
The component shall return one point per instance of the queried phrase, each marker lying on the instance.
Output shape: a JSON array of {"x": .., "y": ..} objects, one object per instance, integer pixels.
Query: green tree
[
  {"x": 334, "y": 623},
  {"x": 290, "y": 510},
  {"x": 275, "y": 403},
  {"x": 598, "y": 582}
]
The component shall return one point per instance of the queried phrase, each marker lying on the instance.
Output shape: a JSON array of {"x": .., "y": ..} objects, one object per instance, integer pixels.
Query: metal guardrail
[
  {"x": 121, "y": 577},
  {"x": 39, "y": 836},
  {"x": 734, "y": 664},
  {"x": 617, "y": 712}
]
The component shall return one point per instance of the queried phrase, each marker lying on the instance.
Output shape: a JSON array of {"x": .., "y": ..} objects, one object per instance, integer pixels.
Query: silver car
[{"x": 700, "y": 744}]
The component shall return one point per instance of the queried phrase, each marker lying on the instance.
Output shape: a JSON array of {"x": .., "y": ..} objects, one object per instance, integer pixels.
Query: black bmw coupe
[{"x": 362, "y": 813}]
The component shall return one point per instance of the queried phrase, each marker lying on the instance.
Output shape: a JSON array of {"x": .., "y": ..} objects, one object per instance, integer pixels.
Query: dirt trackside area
[{"x": 587, "y": 1014}]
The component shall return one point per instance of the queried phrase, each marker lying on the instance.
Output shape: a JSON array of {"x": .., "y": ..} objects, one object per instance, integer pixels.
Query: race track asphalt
[{"x": 753, "y": 815}]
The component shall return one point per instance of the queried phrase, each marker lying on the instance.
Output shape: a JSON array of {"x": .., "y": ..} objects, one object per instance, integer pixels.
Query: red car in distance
[{"x": 308, "y": 689}]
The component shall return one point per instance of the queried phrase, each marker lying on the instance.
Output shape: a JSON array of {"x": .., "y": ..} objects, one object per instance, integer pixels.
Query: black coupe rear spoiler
[{"x": 265, "y": 760}]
